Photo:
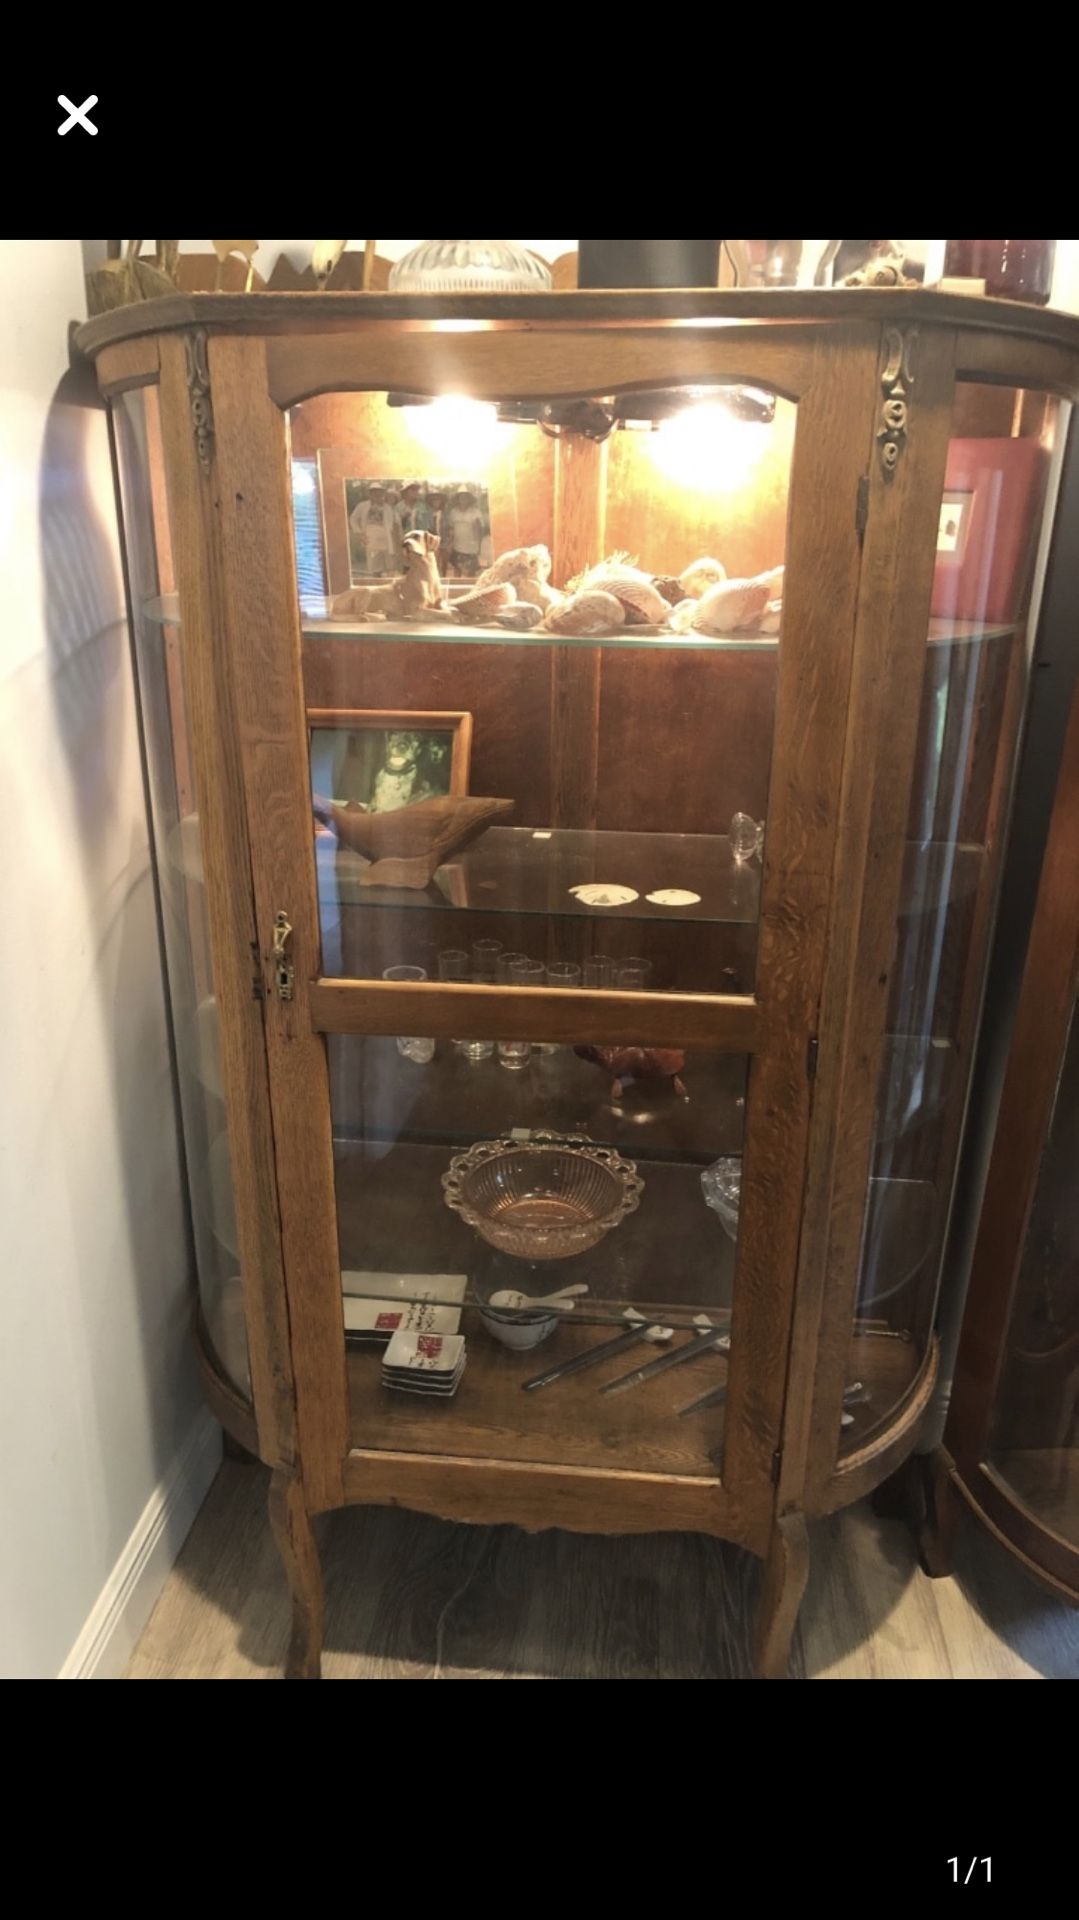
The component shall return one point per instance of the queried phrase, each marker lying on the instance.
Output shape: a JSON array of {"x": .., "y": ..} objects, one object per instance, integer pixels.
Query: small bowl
[
  {"x": 544, "y": 1198},
  {"x": 519, "y": 1330}
]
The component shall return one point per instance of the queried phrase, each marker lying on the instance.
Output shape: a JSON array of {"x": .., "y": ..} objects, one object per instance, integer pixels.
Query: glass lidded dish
[{"x": 469, "y": 266}]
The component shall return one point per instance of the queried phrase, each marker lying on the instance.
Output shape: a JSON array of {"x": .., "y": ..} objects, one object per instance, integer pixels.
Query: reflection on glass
[
  {"x": 455, "y": 966},
  {"x": 1035, "y": 1441},
  {"x": 421, "y": 1052},
  {"x": 973, "y": 697},
  {"x": 576, "y": 621},
  {"x": 747, "y": 837},
  {"x": 511, "y": 704},
  {"x": 178, "y": 852},
  {"x": 549, "y": 1153}
]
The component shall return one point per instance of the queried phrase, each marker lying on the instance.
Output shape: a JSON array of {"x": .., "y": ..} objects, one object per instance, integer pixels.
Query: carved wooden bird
[
  {"x": 324, "y": 257},
  {"x": 407, "y": 845}
]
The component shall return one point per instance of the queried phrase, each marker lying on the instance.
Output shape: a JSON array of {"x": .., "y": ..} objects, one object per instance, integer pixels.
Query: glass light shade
[{"x": 469, "y": 266}]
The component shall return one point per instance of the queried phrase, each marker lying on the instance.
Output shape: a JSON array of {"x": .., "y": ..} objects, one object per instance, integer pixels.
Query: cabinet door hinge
[
  {"x": 812, "y": 1050},
  {"x": 777, "y": 1466},
  {"x": 861, "y": 510}
]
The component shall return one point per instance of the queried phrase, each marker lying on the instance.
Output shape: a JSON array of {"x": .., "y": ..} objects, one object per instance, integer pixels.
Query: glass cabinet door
[
  {"x": 997, "y": 504},
  {"x": 540, "y": 652},
  {"x": 181, "y": 888}
]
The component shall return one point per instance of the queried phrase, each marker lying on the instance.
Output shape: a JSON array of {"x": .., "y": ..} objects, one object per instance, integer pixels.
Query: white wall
[{"x": 98, "y": 1393}]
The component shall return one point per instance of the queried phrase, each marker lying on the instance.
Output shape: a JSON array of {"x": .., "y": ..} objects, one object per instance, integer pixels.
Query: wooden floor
[{"x": 416, "y": 1599}]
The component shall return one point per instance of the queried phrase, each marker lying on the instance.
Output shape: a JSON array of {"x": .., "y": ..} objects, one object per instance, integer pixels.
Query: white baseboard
[{"x": 130, "y": 1593}]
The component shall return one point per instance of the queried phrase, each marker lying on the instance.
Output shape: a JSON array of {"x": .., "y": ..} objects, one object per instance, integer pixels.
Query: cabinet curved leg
[
  {"x": 291, "y": 1525},
  {"x": 786, "y": 1570},
  {"x": 936, "y": 1535}
]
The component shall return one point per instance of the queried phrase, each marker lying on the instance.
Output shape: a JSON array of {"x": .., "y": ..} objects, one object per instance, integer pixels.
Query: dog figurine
[{"x": 416, "y": 594}]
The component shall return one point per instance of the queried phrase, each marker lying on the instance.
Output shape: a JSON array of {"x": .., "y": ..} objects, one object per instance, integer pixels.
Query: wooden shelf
[
  {"x": 377, "y": 1095},
  {"x": 572, "y": 1423},
  {"x": 569, "y": 1424}
]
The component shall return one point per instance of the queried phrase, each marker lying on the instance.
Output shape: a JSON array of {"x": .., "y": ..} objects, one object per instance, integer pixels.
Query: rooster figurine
[{"x": 638, "y": 1063}]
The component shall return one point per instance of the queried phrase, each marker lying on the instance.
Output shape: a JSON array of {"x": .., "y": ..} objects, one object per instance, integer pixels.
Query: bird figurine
[
  {"x": 324, "y": 257},
  {"x": 223, "y": 248},
  {"x": 638, "y": 1063}
]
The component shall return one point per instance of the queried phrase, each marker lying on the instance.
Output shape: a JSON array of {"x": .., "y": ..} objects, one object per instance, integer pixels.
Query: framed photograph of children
[
  {"x": 365, "y": 518},
  {"x": 381, "y": 760}
]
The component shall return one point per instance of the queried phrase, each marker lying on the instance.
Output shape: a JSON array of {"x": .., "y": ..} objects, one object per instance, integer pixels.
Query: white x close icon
[{"x": 77, "y": 115}]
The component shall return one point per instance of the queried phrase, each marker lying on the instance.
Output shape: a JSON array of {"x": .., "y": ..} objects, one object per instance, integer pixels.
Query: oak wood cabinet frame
[{"x": 860, "y": 557}]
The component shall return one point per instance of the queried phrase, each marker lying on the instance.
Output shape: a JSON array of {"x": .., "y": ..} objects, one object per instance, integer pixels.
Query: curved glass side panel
[
  {"x": 178, "y": 858},
  {"x": 995, "y": 512}
]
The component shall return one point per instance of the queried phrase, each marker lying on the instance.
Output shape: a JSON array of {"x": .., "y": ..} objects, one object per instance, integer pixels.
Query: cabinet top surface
[{"x": 320, "y": 313}]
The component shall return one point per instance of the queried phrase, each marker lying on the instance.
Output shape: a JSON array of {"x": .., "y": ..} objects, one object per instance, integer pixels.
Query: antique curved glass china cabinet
[{"x": 442, "y": 875}]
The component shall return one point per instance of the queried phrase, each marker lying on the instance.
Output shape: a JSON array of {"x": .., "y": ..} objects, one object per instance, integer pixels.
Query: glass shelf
[
  {"x": 448, "y": 633},
  {"x": 958, "y": 633},
  {"x": 528, "y": 870},
  {"x": 379, "y": 1096},
  {"x": 164, "y": 610}
]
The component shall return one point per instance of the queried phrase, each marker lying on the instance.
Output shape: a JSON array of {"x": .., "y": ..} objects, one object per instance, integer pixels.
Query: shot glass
[
  {"x": 528, "y": 973},
  {"x": 485, "y": 957},
  {"x": 634, "y": 974},
  {"x": 598, "y": 971},
  {"x": 561, "y": 973},
  {"x": 514, "y": 1055},
  {"x": 455, "y": 964},
  {"x": 420, "y": 1051}
]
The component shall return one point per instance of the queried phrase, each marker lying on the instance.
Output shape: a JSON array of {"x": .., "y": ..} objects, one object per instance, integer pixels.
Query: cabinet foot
[
  {"x": 292, "y": 1530},
  {"x": 786, "y": 1570},
  {"x": 936, "y": 1534}
]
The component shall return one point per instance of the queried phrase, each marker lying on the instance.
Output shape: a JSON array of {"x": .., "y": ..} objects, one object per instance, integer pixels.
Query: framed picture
[
  {"x": 365, "y": 517},
  {"x": 954, "y": 529},
  {"x": 382, "y": 760},
  {"x": 989, "y": 525}
]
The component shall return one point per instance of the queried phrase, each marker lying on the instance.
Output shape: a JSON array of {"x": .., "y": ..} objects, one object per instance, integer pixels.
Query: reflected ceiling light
[
  {"x": 461, "y": 431},
  {"x": 707, "y": 447}
]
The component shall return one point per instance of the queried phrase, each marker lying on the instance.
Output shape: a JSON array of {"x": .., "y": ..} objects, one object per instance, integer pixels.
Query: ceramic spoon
[{"x": 508, "y": 1299}]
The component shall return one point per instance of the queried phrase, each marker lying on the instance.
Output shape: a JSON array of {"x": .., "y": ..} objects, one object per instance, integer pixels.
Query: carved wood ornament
[
  {"x": 198, "y": 386},
  {"x": 896, "y": 380}
]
